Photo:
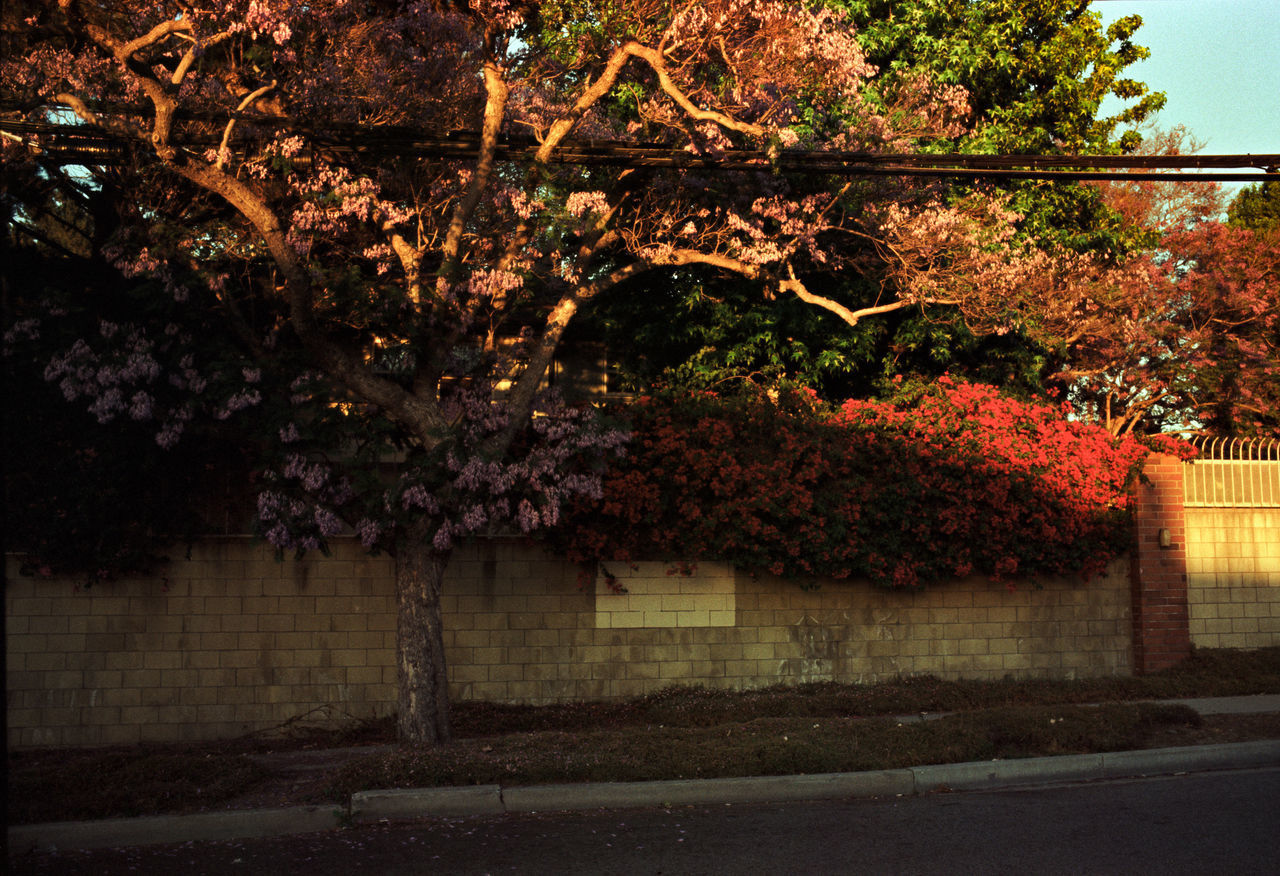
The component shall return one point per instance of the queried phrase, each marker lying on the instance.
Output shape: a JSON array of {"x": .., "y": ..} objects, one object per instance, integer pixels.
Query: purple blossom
[
  {"x": 140, "y": 406},
  {"x": 107, "y": 405},
  {"x": 28, "y": 329},
  {"x": 475, "y": 518},
  {"x": 369, "y": 531},
  {"x": 527, "y": 516},
  {"x": 279, "y": 536},
  {"x": 244, "y": 399},
  {"x": 342, "y": 492},
  {"x": 417, "y": 496},
  {"x": 268, "y": 505},
  {"x": 315, "y": 478},
  {"x": 443, "y": 540},
  {"x": 168, "y": 436},
  {"x": 328, "y": 522}
]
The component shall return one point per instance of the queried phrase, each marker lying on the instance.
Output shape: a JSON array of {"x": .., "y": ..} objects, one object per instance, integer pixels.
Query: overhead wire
[{"x": 82, "y": 143}]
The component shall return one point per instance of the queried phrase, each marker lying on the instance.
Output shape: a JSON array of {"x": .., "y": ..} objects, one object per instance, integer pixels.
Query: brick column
[{"x": 1161, "y": 634}]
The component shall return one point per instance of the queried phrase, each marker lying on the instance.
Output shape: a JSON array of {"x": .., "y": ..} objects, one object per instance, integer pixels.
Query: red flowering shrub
[
  {"x": 1172, "y": 445},
  {"x": 958, "y": 481}
]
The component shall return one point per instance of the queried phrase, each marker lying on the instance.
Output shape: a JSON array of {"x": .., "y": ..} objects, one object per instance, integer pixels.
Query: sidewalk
[{"x": 373, "y": 806}]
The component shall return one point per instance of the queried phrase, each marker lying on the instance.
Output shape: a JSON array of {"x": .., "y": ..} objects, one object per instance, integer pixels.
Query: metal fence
[{"x": 1233, "y": 473}]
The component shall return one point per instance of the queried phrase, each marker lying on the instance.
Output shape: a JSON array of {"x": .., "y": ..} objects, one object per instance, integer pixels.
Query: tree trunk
[{"x": 423, "y": 686}]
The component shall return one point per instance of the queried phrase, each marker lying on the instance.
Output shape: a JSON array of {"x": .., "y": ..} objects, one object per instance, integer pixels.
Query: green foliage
[
  {"x": 1037, "y": 70},
  {"x": 952, "y": 480},
  {"x": 1256, "y": 207},
  {"x": 714, "y": 331}
]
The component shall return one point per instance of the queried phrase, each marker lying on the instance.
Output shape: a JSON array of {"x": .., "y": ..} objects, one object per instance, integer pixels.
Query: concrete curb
[
  {"x": 368, "y": 806},
  {"x": 685, "y": 792},
  {"x": 390, "y": 805}
]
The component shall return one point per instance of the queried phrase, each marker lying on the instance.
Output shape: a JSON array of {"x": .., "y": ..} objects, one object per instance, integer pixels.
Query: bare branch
[
  {"x": 81, "y": 109},
  {"x": 494, "y": 112},
  {"x": 155, "y": 91},
  {"x": 596, "y": 90},
  {"x": 189, "y": 58},
  {"x": 609, "y": 77},
  {"x": 244, "y": 104},
  {"x": 417, "y": 413},
  {"x": 155, "y": 35}
]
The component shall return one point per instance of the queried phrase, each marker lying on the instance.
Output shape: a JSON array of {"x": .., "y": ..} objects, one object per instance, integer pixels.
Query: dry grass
[{"x": 675, "y": 733}]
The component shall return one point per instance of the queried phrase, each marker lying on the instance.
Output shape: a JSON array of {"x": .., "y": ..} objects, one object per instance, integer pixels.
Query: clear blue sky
[{"x": 1218, "y": 62}]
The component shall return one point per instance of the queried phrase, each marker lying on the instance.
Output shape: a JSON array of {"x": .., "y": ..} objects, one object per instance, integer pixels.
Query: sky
[{"x": 1218, "y": 62}]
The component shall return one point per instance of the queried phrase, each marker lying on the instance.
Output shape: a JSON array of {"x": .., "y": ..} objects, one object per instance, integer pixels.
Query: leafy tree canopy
[
  {"x": 1035, "y": 74},
  {"x": 1037, "y": 70},
  {"x": 1256, "y": 207}
]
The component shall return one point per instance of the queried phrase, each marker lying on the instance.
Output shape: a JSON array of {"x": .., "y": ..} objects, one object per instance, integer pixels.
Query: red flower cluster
[{"x": 959, "y": 481}]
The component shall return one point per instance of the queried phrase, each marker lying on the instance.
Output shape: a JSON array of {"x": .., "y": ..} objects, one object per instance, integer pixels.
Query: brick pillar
[{"x": 1161, "y": 635}]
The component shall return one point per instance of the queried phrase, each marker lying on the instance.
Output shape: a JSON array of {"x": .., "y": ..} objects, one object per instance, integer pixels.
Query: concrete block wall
[
  {"x": 975, "y": 628},
  {"x": 227, "y": 642},
  {"x": 1233, "y": 577},
  {"x": 564, "y": 644},
  {"x": 233, "y": 641}
]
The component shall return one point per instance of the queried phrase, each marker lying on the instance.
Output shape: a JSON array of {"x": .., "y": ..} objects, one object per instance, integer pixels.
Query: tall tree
[
  {"x": 1256, "y": 207},
  {"x": 1178, "y": 334},
  {"x": 1036, "y": 73},
  {"x": 412, "y": 305},
  {"x": 1038, "y": 70}
]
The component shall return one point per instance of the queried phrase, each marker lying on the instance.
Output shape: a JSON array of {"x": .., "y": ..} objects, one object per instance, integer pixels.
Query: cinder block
[
  {"x": 201, "y": 623},
  {"x": 271, "y": 623},
  {"x": 240, "y": 623},
  {"x": 308, "y": 657},
  {"x": 179, "y": 678},
  {"x": 382, "y": 621},
  {"x": 138, "y": 715},
  {"x": 198, "y": 696},
  {"x": 39, "y": 661},
  {"x": 542, "y": 637},
  {"x": 348, "y": 657},
  {"x": 223, "y": 606},
  {"x": 46, "y": 624},
  {"x": 501, "y": 691}
]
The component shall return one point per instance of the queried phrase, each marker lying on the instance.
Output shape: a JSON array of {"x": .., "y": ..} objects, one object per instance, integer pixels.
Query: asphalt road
[{"x": 1211, "y": 823}]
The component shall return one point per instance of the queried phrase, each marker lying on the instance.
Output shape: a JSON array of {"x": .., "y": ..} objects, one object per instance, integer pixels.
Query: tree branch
[
  {"x": 418, "y": 414},
  {"x": 155, "y": 35},
  {"x": 609, "y": 77},
  {"x": 189, "y": 57},
  {"x": 494, "y": 112},
  {"x": 249, "y": 100}
]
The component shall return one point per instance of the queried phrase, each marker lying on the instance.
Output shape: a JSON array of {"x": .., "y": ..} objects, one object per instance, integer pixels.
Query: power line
[{"x": 90, "y": 145}]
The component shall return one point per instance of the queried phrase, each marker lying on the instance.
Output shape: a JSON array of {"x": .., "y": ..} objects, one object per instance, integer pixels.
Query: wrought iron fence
[{"x": 1233, "y": 473}]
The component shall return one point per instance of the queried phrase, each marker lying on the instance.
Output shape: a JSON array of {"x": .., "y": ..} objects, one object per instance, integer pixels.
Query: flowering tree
[
  {"x": 1037, "y": 73},
  {"x": 394, "y": 315}
]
